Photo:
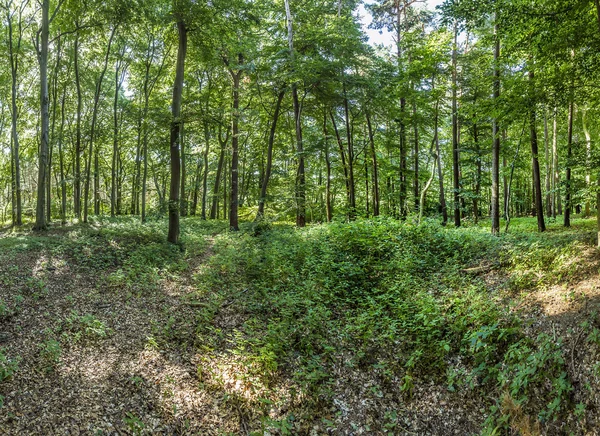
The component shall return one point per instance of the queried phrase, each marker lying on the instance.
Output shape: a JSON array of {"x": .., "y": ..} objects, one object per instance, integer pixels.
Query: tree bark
[
  {"x": 235, "y": 119},
  {"x": 78, "y": 147},
  {"x": 350, "y": 149},
  {"x": 120, "y": 70},
  {"x": 93, "y": 128},
  {"x": 496, "y": 138},
  {"x": 455, "y": 151},
  {"x": 176, "y": 122},
  {"x": 40, "y": 215},
  {"x": 300, "y": 176},
  {"x": 567, "y": 216},
  {"x": 556, "y": 173},
  {"x": 205, "y": 174},
  {"x": 269, "y": 165},
  {"x": 588, "y": 157},
  {"x": 215, "y": 197},
  {"x": 537, "y": 183},
  {"x": 182, "y": 196},
  {"x": 17, "y": 214},
  {"x": 342, "y": 157},
  {"x": 375, "y": 169},
  {"x": 548, "y": 165},
  {"x": 477, "y": 174}
]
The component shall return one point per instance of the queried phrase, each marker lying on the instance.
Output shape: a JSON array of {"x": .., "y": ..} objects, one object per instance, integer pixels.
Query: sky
[{"x": 384, "y": 37}]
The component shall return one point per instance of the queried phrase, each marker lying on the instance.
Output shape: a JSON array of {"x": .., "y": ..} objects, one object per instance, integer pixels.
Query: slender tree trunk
[
  {"x": 135, "y": 186},
  {"x": 496, "y": 138},
  {"x": 455, "y": 151},
  {"x": 183, "y": 198},
  {"x": 235, "y": 119},
  {"x": 556, "y": 172},
  {"x": 40, "y": 215},
  {"x": 567, "y": 216},
  {"x": 205, "y": 174},
  {"x": 416, "y": 156},
  {"x": 119, "y": 77},
  {"x": 351, "y": 182},
  {"x": 300, "y": 176},
  {"x": 52, "y": 136},
  {"x": 196, "y": 193},
  {"x": 588, "y": 157},
  {"x": 548, "y": 165},
  {"x": 215, "y": 197},
  {"x": 328, "y": 205},
  {"x": 17, "y": 214},
  {"x": 92, "y": 133},
  {"x": 78, "y": 147},
  {"x": 477, "y": 174},
  {"x": 439, "y": 166},
  {"x": 537, "y": 182},
  {"x": 342, "y": 157},
  {"x": 63, "y": 185},
  {"x": 268, "y": 167},
  {"x": 176, "y": 122},
  {"x": 375, "y": 169}
]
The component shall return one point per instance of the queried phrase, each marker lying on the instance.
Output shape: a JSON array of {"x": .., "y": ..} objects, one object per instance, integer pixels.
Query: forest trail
[{"x": 120, "y": 334}]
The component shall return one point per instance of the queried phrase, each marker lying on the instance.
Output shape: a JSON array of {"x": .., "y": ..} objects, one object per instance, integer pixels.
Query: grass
[{"x": 291, "y": 312}]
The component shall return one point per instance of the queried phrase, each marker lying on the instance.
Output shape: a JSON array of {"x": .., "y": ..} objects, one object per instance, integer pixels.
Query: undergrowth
[{"x": 385, "y": 298}]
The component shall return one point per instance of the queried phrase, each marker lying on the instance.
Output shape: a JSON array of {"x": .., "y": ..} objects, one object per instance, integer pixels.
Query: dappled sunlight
[{"x": 94, "y": 365}]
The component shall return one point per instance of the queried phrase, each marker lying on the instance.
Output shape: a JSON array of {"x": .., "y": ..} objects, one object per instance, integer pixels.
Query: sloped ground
[{"x": 107, "y": 330}]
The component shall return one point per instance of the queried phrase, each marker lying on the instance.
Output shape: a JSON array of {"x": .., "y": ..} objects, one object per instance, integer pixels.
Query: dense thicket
[{"x": 282, "y": 109}]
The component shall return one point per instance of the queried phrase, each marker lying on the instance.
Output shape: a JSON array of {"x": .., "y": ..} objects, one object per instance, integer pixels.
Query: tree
[{"x": 176, "y": 123}]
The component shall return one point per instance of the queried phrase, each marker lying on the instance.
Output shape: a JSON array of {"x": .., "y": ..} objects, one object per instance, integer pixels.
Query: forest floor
[{"x": 374, "y": 327}]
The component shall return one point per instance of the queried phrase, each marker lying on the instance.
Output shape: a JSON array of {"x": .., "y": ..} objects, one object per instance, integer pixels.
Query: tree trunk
[
  {"x": 267, "y": 173},
  {"x": 182, "y": 199},
  {"x": 556, "y": 173},
  {"x": 342, "y": 157},
  {"x": 416, "y": 156},
  {"x": 176, "y": 122},
  {"x": 328, "y": 205},
  {"x": 375, "y": 169},
  {"x": 537, "y": 183},
  {"x": 588, "y": 157},
  {"x": 135, "y": 185},
  {"x": 119, "y": 77},
  {"x": 205, "y": 174},
  {"x": 63, "y": 186},
  {"x": 235, "y": 119},
  {"x": 78, "y": 147},
  {"x": 300, "y": 176},
  {"x": 548, "y": 165},
  {"x": 350, "y": 149},
  {"x": 40, "y": 215},
  {"x": 567, "y": 216},
  {"x": 52, "y": 137},
  {"x": 443, "y": 206},
  {"x": 455, "y": 151},
  {"x": 93, "y": 129},
  {"x": 496, "y": 138},
  {"x": 215, "y": 197},
  {"x": 17, "y": 214},
  {"x": 477, "y": 174}
]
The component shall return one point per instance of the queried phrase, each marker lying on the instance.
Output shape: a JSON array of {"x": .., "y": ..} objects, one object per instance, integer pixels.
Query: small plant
[
  {"x": 79, "y": 327},
  {"x": 135, "y": 424},
  {"x": 7, "y": 366},
  {"x": 50, "y": 352}
]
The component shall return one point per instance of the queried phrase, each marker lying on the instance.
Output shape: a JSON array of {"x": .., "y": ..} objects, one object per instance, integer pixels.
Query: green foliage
[
  {"x": 7, "y": 366},
  {"x": 84, "y": 328},
  {"x": 50, "y": 352}
]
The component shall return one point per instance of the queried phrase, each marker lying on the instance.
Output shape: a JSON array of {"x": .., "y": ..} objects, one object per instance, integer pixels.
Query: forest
[{"x": 300, "y": 217}]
